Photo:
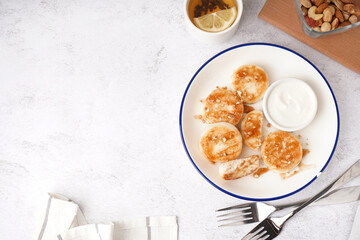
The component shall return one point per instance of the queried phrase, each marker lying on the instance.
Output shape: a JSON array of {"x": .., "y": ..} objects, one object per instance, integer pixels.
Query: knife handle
[{"x": 348, "y": 175}]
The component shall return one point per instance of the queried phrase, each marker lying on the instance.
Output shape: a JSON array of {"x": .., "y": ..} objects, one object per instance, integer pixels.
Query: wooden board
[{"x": 342, "y": 47}]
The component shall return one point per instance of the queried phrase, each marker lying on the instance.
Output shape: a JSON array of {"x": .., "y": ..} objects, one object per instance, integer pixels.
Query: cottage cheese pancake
[
  {"x": 221, "y": 142},
  {"x": 281, "y": 151},
  {"x": 223, "y": 105},
  {"x": 251, "y": 129},
  {"x": 239, "y": 168},
  {"x": 250, "y": 82}
]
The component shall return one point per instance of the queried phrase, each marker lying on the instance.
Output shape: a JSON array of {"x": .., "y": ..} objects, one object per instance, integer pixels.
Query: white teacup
[{"x": 212, "y": 37}]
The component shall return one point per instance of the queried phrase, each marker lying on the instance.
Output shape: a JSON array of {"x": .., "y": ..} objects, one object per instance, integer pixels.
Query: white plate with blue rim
[{"x": 319, "y": 137}]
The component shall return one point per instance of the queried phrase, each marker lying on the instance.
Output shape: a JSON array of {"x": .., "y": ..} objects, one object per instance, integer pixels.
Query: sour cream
[{"x": 290, "y": 104}]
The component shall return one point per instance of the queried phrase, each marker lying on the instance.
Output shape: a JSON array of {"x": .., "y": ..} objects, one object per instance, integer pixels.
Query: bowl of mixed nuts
[{"x": 323, "y": 17}]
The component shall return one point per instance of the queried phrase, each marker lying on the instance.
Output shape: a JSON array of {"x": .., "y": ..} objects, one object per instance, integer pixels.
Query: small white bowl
[
  {"x": 209, "y": 37},
  {"x": 310, "y": 114}
]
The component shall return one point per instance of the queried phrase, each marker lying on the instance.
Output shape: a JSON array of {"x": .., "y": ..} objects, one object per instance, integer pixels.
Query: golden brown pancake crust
[
  {"x": 223, "y": 105},
  {"x": 221, "y": 142},
  {"x": 250, "y": 82},
  {"x": 251, "y": 129},
  {"x": 281, "y": 151}
]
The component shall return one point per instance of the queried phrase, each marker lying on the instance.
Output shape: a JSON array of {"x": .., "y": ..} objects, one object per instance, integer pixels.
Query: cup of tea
[{"x": 212, "y": 21}]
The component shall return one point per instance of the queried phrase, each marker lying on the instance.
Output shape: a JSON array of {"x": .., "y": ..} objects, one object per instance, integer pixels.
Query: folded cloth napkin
[
  {"x": 159, "y": 228},
  {"x": 355, "y": 231},
  {"x": 89, "y": 232},
  {"x": 65, "y": 221},
  {"x": 61, "y": 214}
]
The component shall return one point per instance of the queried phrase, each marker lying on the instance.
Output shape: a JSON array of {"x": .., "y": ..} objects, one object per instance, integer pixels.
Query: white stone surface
[{"x": 89, "y": 104}]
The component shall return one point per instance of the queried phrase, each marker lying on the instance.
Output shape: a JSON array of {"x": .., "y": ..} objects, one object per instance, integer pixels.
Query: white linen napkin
[
  {"x": 159, "y": 228},
  {"x": 355, "y": 231},
  {"x": 61, "y": 214},
  {"x": 65, "y": 221},
  {"x": 89, "y": 232}
]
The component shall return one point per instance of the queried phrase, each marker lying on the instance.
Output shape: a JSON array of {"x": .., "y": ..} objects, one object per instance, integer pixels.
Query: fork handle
[{"x": 350, "y": 174}]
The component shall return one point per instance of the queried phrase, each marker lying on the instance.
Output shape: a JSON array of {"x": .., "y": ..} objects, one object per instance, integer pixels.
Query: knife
[
  {"x": 342, "y": 195},
  {"x": 337, "y": 196}
]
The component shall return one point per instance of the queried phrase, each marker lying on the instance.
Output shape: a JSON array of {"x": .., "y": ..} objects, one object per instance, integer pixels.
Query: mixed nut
[{"x": 327, "y": 15}]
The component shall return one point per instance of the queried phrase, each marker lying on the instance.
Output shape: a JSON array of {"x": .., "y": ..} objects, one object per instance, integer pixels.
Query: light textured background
[{"x": 89, "y": 101}]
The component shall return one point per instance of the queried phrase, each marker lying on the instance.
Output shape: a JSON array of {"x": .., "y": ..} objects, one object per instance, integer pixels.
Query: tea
[
  {"x": 212, "y": 15},
  {"x": 198, "y": 8}
]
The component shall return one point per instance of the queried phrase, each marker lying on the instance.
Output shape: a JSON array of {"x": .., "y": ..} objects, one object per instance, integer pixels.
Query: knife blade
[
  {"x": 337, "y": 196},
  {"x": 342, "y": 195}
]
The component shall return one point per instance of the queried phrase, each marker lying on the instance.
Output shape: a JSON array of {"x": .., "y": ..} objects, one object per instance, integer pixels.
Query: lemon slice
[{"x": 217, "y": 21}]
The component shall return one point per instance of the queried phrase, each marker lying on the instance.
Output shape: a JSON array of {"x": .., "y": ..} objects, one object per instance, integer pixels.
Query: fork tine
[
  {"x": 247, "y": 211},
  {"x": 245, "y": 206},
  {"x": 260, "y": 235},
  {"x": 244, "y": 216},
  {"x": 267, "y": 229},
  {"x": 265, "y": 237},
  {"x": 241, "y": 222},
  {"x": 254, "y": 232}
]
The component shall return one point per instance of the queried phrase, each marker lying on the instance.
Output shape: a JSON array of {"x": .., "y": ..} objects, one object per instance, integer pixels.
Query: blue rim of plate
[{"x": 202, "y": 174}]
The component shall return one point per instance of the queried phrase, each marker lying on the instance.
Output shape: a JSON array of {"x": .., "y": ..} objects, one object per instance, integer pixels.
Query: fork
[
  {"x": 248, "y": 213},
  {"x": 271, "y": 227},
  {"x": 258, "y": 211}
]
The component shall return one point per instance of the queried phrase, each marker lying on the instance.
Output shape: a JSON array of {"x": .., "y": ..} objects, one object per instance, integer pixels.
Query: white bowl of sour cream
[{"x": 290, "y": 104}]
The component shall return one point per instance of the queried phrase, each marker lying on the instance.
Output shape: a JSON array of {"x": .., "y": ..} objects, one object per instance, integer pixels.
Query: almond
[
  {"x": 343, "y": 24},
  {"x": 339, "y": 15},
  {"x": 321, "y": 8},
  {"x": 318, "y": 2}
]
